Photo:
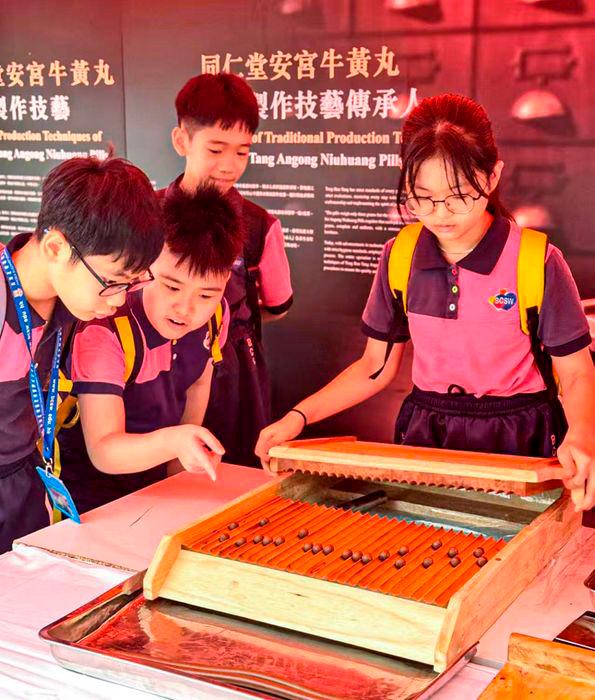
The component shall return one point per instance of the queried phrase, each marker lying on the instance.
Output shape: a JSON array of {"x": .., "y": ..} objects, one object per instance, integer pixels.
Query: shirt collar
[
  {"x": 482, "y": 259},
  {"x": 152, "y": 336}
]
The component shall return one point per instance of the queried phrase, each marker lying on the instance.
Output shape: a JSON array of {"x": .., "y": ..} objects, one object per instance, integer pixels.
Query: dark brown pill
[
  {"x": 478, "y": 552},
  {"x": 316, "y": 548},
  {"x": 383, "y": 556},
  {"x": 223, "y": 536},
  {"x": 426, "y": 563},
  {"x": 366, "y": 559},
  {"x": 454, "y": 561},
  {"x": 279, "y": 541},
  {"x": 403, "y": 551},
  {"x": 232, "y": 526},
  {"x": 257, "y": 539},
  {"x": 263, "y": 522},
  {"x": 240, "y": 542},
  {"x": 399, "y": 564},
  {"x": 307, "y": 547},
  {"x": 452, "y": 552},
  {"x": 266, "y": 540},
  {"x": 482, "y": 561},
  {"x": 346, "y": 554},
  {"x": 302, "y": 534},
  {"x": 327, "y": 549},
  {"x": 356, "y": 556},
  {"x": 437, "y": 544}
]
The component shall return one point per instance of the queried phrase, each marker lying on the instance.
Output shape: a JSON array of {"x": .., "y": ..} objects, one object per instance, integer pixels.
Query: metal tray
[{"x": 179, "y": 651}]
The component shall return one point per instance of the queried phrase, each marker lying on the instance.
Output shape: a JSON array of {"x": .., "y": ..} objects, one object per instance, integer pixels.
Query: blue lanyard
[{"x": 45, "y": 416}]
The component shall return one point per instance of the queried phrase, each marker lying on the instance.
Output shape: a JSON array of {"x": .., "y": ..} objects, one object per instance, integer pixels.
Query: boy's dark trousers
[
  {"x": 239, "y": 405},
  {"x": 23, "y": 507}
]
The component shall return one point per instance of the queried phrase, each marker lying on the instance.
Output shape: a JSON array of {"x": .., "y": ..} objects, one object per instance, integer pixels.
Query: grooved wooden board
[
  {"x": 347, "y": 456},
  {"x": 369, "y": 535}
]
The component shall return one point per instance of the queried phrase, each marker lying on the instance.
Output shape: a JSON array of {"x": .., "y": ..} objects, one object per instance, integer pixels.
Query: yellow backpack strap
[
  {"x": 214, "y": 326},
  {"x": 531, "y": 274},
  {"x": 66, "y": 405},
  {"x": 124, "y": 330},
  {"x": 530, "y": 291},
  {"x": 399, "y": 260}
]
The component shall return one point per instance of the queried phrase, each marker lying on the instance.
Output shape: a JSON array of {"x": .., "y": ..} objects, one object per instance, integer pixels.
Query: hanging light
[
  {"x": 538, "y": 104},
  {"x": 404, "y": 5},
  {"x": 534, "y": 216}
]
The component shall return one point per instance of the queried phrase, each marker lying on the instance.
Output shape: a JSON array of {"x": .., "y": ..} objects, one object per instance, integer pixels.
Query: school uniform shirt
[
  {"x": 154, "y": 397},
  {"x": 463, "y": 318},
  {"x": 18, "y": 427}
]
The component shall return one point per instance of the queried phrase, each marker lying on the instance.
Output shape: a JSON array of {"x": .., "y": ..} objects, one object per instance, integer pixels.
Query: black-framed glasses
[
  {"x": 110, "y": 290},
  {"x": 455, "y": 203}
]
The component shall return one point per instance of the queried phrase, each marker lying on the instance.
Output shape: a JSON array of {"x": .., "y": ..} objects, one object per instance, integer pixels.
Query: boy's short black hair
[
  {"x": 203, "y": 229},
  {"x": 223, "y": 99},
  {"x": 104, "y": 207}
]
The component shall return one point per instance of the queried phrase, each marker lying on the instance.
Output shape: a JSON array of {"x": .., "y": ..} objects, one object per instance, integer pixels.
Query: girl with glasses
[{"x": 480, "y": 382}]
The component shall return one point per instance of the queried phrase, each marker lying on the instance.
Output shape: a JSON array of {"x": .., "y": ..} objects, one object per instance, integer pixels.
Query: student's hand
[
  {"x": 197, "y": 448},
  {"x": 577, "y": 457},
  {"x": 290, "y": 426}
]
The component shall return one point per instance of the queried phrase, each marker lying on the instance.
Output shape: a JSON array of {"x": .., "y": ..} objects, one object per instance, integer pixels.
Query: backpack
[{"x": 530, "y": 288}]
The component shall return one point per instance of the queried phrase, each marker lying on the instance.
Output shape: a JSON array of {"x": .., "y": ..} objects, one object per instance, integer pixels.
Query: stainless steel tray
[{"x": 179, "y": 651}]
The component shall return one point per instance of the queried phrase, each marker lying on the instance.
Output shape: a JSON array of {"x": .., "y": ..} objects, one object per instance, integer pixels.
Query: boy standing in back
[{"x": 217, "y": 118}]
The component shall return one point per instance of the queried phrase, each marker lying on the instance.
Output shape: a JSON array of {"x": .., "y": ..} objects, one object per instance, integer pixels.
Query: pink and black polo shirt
[
  {"x": 154, "y": 396},
  {"x": 463, "y": 319},
  {"x": 18, "y": 428}
]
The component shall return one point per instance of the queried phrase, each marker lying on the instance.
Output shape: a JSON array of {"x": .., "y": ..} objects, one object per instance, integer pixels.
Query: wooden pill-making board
[
  {"x": 434, "y": 624},
  {"x": 414, "y": 465}
]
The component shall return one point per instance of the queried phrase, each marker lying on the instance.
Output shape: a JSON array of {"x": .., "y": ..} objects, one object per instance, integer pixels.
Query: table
[{"x": 51, "y": 572}]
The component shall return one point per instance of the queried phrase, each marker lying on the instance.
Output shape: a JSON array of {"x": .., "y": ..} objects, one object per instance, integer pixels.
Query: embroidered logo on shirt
[{"x": 503, "y": 301}]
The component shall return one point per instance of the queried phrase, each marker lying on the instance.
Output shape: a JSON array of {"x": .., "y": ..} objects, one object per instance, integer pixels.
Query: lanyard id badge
[{"x": 45, "y": 415}]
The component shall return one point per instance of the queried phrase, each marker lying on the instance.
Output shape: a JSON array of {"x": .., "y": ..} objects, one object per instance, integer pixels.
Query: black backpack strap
[
  {"x": 543, "y": 359},
  {"x": 393, "y": 333},
  {"x": 257, "y": 222}
]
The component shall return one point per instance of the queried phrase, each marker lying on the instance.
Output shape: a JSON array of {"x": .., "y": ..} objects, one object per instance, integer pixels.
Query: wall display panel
[
  {"x": 61, "y": 95},
  {"x": 545, "y": 89},
  {"x": 518, "y": 13}
]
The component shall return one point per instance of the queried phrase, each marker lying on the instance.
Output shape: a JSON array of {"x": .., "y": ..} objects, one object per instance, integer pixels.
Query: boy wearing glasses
[
  {"x": 95, "y": 215},
  {"x": 140, "y": 410}
]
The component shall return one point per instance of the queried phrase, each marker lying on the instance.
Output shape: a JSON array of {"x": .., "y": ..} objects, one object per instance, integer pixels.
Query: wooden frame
[{"x": 397, "y": 626}]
